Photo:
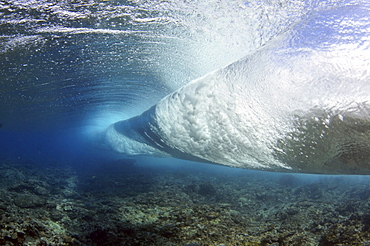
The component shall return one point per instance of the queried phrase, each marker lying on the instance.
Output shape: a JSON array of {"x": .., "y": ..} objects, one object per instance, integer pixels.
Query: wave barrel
[{"x": 301, "y": 103}]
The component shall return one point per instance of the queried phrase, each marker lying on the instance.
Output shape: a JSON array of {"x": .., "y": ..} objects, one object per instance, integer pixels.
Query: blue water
[
  {"x": 203, "y": 122},
  {"x": 69, "y": 70}
]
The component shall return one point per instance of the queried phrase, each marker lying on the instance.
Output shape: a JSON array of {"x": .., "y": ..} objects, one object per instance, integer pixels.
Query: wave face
[{"x": 300, "y": 103}]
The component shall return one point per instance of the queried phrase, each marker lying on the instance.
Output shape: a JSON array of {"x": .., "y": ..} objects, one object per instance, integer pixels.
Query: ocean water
[{"x": 184, "y": 122}]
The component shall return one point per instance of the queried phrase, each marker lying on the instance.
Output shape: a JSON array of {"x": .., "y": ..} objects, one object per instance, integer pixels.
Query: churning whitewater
[{"x": 300, "y": 103}]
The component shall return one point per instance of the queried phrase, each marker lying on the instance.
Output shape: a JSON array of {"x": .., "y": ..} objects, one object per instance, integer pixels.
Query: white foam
[
  {"x": 236, "y": 115},
  {"x": 274, "y": 109},
  {"x": 128, "y": 146}
]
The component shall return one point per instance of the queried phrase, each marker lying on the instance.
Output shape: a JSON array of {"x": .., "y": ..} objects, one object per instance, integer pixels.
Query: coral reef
[{"x": 123, "y": 203}]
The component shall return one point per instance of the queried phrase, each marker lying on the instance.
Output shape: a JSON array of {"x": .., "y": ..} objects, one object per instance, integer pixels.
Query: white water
[{"x": 299, "y": 103}]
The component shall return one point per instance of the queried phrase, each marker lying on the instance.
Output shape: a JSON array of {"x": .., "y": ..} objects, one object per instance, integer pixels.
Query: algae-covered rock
[
  {"x": 29, "y": 201},
  {"x": 206, "y": 209}
]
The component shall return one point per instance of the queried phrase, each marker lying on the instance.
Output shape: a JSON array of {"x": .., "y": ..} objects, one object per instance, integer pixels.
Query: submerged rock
[
  {"x": 29, "y": 201},
  {"x": 194, "y": 209}
]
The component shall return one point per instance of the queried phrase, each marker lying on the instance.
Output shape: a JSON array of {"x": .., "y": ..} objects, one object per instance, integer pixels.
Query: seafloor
[{"x": 123, "y": 203}]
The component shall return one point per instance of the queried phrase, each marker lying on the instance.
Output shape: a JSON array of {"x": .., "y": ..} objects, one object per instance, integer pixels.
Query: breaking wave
[{"x": 299, "y": 103}]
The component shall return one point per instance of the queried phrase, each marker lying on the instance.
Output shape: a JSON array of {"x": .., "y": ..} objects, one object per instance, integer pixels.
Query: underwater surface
[{"x": 159, "y": 122}]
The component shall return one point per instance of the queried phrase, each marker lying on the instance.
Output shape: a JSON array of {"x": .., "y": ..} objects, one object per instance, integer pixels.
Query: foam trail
[{"x": 298, "y": 104}]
